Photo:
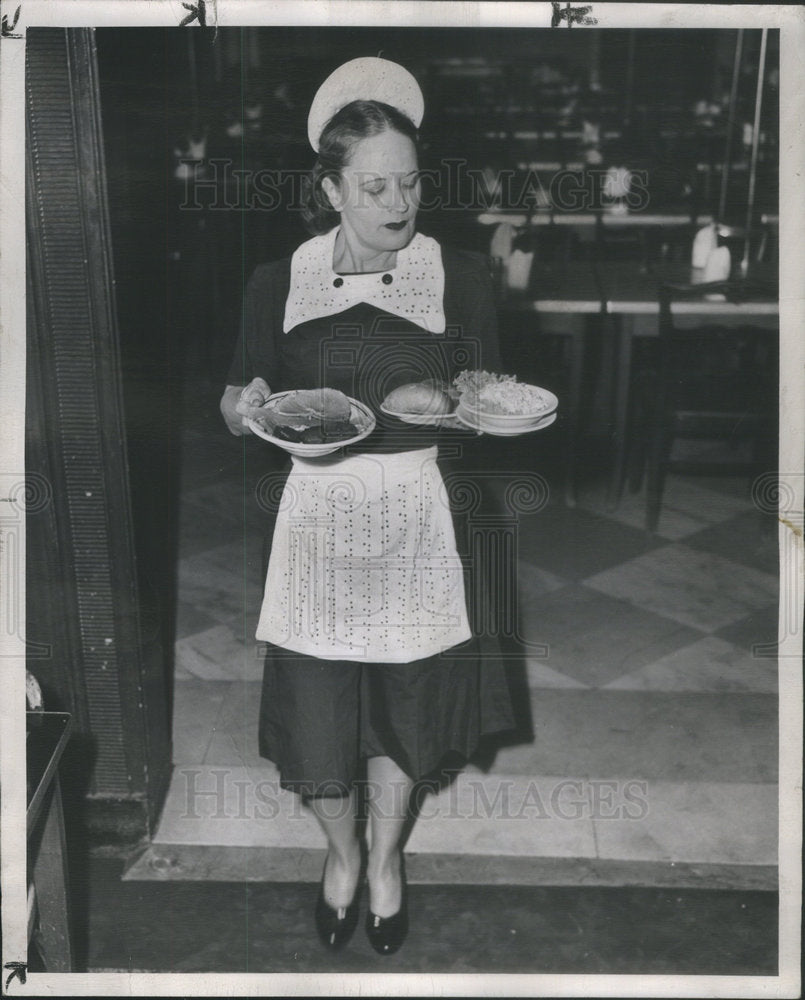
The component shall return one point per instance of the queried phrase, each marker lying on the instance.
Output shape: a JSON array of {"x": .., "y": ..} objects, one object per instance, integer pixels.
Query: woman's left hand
[{"x": 253, "y": 396}]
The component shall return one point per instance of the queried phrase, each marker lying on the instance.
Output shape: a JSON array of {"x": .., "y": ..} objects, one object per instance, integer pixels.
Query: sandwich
[
  {"x": 421, "y": 398},
  {"x": 310, "y": 416}
]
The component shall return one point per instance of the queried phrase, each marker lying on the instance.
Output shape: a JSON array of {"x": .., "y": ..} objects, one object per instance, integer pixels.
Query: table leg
[
  {"x": 577, "y": 344},
  {"x": 50, "y": 885},
  {"x": 622, "y": 379}
]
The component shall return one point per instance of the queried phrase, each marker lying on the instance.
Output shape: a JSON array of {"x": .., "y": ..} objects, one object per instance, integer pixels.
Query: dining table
[
  {"x": 565, "y": 296},
  {"x": 547, "y": 216},
  {"x": 589, "y": 219},
  {"x": 626, "y": 299},
  {"x": 630, "y": 302}
]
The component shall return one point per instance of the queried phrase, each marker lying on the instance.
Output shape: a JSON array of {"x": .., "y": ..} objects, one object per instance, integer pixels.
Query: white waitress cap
[{"x": 367, "y": 79}]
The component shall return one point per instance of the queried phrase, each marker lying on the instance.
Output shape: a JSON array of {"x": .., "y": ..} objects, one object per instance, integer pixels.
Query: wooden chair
[{"x": 715, "y": 381}]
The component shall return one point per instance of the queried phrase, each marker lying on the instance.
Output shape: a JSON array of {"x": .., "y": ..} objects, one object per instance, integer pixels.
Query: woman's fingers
[
  {"x": 237, "y": 403},
  {"x": 255, "y": 393},
  {"x": 247, "y": 409},
  {"x": 229, "y": 409}
]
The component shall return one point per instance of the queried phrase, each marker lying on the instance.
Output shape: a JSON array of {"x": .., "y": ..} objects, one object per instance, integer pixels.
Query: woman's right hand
[{"x": 238, "y": 402}]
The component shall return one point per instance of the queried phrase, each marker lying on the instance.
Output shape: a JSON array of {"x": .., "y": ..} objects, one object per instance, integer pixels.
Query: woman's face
[{"x": 377, "y": 193}]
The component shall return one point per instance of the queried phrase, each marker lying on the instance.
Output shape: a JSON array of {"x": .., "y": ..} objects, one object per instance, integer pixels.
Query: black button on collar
[
  {"x": 338, "y": 282},
  {"x": 387, "y": 279}
]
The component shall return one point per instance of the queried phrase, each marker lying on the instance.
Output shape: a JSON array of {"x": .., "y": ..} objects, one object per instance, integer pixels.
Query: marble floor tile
[
  {"x": 219, "y": 863},
  {"x": 711, "y": 664},
  {"x": 688, "y": 506},
  {"x": 235, "y": 738},
  {"x": 180, "y": 674},
  {"x": 216, "y": 654},
  {"x": 594, "y": 638},
  {"x": 234, "y": 805},
  {"x": 738, "y": 488},
  {"x": 236, "y": 557},
  {"x": 208, "y": 455},
  {"x": 635, "y": 634},
  {"x": 757, "y": 632},
  {"x": 200, "y": 530},
  {"x": 196, "y": 706},
  {"x": 218, "y": 582},
  {"x": 707, "y": 501},
  {"x": 497, "y": 816},
  {"x": 674, "y": 523},
  {"x": 696, "y": 588},
  {"x": 190, "y": 619},
  {"x": 750, "y": 539},
  {"x": 504, "y": 814},
  {"x": 697, "y": 821},
  {"x": 540, "y": 675},
  {"x": 220, "y": 499},
  {"x": 533, "y": 581},
  {"x": 670, "y": 736},
  {"x": 572, "y": 543}
]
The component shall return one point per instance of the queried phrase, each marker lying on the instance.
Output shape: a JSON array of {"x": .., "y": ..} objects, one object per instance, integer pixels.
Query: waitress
[{"x": 371, "y": 657}]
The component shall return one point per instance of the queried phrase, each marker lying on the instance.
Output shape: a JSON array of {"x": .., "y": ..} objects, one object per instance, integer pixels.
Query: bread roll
[
  {"x": 313, "y": 406},
  {"x": 420, "y": 398}
]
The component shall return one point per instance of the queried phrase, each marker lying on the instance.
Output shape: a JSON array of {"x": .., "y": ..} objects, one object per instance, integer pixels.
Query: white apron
[{"x": 363, "y": 562}]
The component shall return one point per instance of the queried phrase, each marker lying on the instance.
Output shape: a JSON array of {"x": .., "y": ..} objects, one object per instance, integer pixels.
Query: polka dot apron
[{"x": 363, "y": 561}]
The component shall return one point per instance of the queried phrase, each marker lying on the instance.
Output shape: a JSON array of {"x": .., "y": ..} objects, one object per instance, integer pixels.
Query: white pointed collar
[{"x": 413, "y": 290}]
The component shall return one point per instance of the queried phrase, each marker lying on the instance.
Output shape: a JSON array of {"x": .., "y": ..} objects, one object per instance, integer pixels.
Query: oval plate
[
  {"x": 359, "y": 411},
  {"x": 427, "y": 419},
  {"x": 479, "y": 425}
]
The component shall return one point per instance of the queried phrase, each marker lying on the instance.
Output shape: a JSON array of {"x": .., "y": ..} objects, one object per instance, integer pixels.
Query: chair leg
[
  {"x": 624, "y": 341},
  {"x": 577, "y": 341},
  {"x": 655, "y": 482},
  {"x": 659, "y": 450},
  {"x": 637, "y": 451}
]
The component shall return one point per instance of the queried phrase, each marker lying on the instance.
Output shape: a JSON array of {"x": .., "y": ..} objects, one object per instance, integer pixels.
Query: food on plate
[
  {"x": 308, "y": 407},
  {"x": 326, "y": 431},
  {"x": 427, "y": 398},
  {"x": 473, "y": 381},
  {"x": 512, "y": 398},
  {"x": 502, "y": 394},
  {"x": 309, "y": 416}
]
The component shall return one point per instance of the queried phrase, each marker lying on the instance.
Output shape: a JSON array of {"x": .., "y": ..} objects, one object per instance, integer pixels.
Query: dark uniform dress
[{"x": 320, "y": 717}]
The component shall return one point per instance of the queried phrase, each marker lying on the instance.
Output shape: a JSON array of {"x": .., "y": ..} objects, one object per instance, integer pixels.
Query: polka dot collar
[{"x": 413, "y": 290}]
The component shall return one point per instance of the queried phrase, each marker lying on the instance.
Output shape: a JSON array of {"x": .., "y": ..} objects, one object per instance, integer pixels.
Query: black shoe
[
  {"x": 386, "y": 934},
  {"x": 336, "y": 926}
]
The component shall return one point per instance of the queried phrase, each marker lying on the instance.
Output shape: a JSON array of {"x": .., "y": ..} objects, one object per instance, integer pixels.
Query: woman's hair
[{"x": 355, "y": 121}]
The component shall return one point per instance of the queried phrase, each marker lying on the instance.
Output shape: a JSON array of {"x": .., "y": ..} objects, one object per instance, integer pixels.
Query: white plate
[
  {"x": 506, "y": 422},
  {"x": 431, "y": 419},
  {"x": 475, "y": 424},
  {"x": 359, "y": 412}
]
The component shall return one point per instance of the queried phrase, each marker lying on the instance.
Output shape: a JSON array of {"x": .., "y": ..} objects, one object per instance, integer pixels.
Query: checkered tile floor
[{"x": 654, "y": 711}]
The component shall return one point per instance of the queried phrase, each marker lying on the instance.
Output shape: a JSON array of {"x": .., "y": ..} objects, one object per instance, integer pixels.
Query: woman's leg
[
  {"x": 388, "y": 796},
  {"x": 336, "y": 817}
]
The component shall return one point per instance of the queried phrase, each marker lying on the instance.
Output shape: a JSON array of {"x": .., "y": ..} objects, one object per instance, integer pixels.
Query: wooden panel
[{"x": 76, "y": 431}]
